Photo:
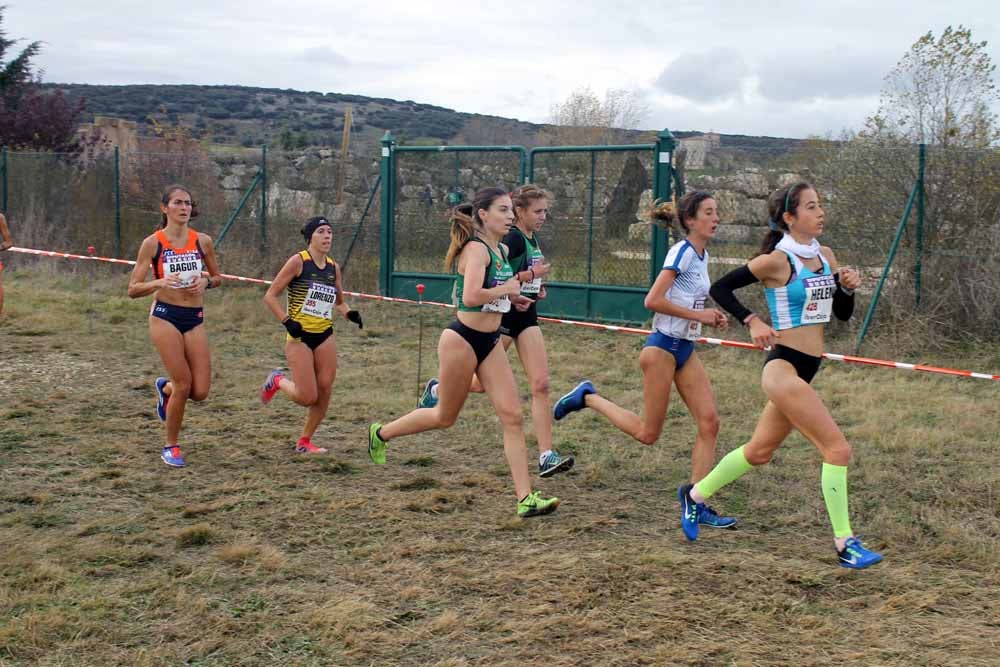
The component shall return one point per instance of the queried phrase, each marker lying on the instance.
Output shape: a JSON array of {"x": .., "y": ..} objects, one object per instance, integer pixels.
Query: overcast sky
[{"x": 779, "y": 68}]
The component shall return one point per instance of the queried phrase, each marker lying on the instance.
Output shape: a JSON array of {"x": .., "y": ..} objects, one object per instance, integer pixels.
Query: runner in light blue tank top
[{"x": 806, "y": 299}]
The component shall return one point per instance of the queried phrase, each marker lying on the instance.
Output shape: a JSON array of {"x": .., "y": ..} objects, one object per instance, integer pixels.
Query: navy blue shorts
[
  {"x": 681, "y": 348},
  {"x": 183, "y": 318}
]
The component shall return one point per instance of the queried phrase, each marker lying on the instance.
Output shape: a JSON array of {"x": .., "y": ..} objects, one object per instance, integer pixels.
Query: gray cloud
[
  {"x": 829, "y": 74},
  {"x": 710, "y": 76},
  {"x": 324, "y": 55}
]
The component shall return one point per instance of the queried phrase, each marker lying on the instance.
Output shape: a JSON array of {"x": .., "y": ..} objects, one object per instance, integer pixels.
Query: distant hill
[{"x": 294, "y": 119}]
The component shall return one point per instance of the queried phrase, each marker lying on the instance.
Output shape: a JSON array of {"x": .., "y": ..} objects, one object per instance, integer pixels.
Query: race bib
[
  {"x": 319, "y": 301},
  {"x": 533, "y": 286},
  {"x": 501, "y": 305},
  {"x": 819, "y": 299},
  {"x": 694, "y": 327},
  {"x": 187, "y": 266}
]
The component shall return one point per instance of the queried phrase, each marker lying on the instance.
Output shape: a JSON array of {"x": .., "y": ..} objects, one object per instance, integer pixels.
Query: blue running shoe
[
  {"x": 574, "y": 400},
  {"x": 709, "y": 517},
  {"x": 554, "y": 463},
  {"x": 689, "y": 512},
  {"x": 428, "y": 399},
  {"x": 161, "y": 398},
  {"x": 172, "y": 456},
  {"x": 856, "y": 557}
]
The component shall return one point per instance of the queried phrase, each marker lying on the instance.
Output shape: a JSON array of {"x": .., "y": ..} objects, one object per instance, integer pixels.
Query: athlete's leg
[
  {"x": 696, "y": 391},
  {"x": 657, "y": 375},
  {"x": 771, "y": 430},
  {"x": 301, "y": 387},
  {"x": 199, "y": 360},
  {"x": 801, "y": 405},
  {"x": 477, "y": 386},
  {"x": 325, "y": 369},
  {"x": 498, "y": 382},
  {"x": 169, "y": 343},
  {"x": 535, "y": 360},
  {"x": 456, "y": 365}
]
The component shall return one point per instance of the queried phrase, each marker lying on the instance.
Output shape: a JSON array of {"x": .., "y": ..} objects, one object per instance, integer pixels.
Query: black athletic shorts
[
  {"x": 806, "y": 365},
  {"x": 314, "y": 340},
  {"x": 514, "y": 321},
  {"x": 482, "y": 342}
]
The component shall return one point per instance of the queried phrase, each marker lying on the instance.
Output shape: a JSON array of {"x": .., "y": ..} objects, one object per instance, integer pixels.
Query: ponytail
[
  {"x": 465, "y": 220},
  {"x": 462, "y": 231},
  {"x": 680, "y": 213}
]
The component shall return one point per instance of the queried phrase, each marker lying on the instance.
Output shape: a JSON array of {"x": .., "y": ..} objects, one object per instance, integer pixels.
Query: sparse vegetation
[{"x": 255, "y": 556}]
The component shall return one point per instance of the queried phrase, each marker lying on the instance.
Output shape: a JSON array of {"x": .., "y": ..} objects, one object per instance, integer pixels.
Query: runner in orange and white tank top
[{"x": 184, "y": 266}]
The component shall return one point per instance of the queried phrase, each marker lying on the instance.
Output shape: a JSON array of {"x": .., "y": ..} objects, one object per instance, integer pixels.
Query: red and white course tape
[{"x": 590, "y": 325}]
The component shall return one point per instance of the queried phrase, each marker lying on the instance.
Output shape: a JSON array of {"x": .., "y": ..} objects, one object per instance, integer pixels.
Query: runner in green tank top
[
  {"x": 520, "y": 325},
  {"x": 468, "y": 346}
]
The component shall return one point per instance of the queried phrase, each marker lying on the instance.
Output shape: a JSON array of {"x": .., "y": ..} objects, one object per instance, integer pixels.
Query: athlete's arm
[
  {"x": 847, "y": 280},
  {"x": 340, "y": 305},
  {"x": 136, "y": 285},
  {"x": 656, "y": 301},
  {"x": 5, "y": 239},
  {"x": 289, "y": 272},
  {"x": 474, "y": 260},
  {"x": 214, "y": 276},
  {"x": 763, "y": 268}
]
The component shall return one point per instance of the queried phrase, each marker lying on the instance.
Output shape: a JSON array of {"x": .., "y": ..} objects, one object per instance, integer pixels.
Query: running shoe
[
  {"x": 534, "y": 504},
  {"x": 161, "y": 398},
  {"x": 689, "y": 512},
  {"x": 172, "y": 456},
  {"x": 376, "y": 445},
  {"x": 574, "y": 400},
  {"x": 305, "y": 446},
  {"x": 856, "y": 557},
  {"x": 554, "y": 463},
  {"x": 271, "y": 386},
  {"x": 428, "y": 399},
  {"x": 709, "y": 517}
]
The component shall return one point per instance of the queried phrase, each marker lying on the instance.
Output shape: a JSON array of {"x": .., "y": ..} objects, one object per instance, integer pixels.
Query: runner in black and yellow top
[
  {"x": 5, "y": 242},
  {"x": 483, "y": 289},
  {"x": 313, "y": 282},
  {"x": 520, "y": 324},
  {"x": 184, "y": 266}
]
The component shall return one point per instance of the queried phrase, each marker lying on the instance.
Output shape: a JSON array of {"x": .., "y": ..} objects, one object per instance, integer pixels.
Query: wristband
[
  {"x": 749, "y": 318},
  {"x": 532, "y": 269}
]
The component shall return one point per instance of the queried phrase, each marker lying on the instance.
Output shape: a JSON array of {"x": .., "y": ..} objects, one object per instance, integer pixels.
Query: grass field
[{"x": 253, "y": 555}]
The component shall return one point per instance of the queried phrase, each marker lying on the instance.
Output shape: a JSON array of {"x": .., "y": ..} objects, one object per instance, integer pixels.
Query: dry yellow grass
[{"x": 256, "y": 556}]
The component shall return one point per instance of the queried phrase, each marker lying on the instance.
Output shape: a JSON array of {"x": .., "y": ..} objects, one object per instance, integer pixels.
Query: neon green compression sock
[
  {"x": 732, "y": 466},
  {"x": 834, "y": 483}
]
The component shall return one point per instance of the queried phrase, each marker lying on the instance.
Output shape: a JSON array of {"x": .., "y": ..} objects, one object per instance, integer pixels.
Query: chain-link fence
[{"x": 942, "y": 284}]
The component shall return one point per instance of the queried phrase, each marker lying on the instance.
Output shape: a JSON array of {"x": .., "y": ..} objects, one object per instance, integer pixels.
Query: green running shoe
[
  {"x": 534, "y": 504},
  {"x": 376, "y": 445}
]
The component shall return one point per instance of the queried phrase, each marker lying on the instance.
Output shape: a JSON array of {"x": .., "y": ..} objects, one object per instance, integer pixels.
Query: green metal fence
[{"x": 603, "y": 256}]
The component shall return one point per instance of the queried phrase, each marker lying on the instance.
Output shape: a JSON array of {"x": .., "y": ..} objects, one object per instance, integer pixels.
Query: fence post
[
  {"x": 662, "y": 178},
  {"x": 118, "y": 205},
  {"x": 590, "y": 222},
  {"x": 918, "y": 269},
  {"x": 386, "y": 247},
  {"x": 888, "y": 267},
  {"x": 263, "y": 199}
]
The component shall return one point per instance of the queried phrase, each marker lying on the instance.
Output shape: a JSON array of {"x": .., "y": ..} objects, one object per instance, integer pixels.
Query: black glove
[
  {"x": 355, "y": 316},
  {"x": 293, "y": 328}
]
